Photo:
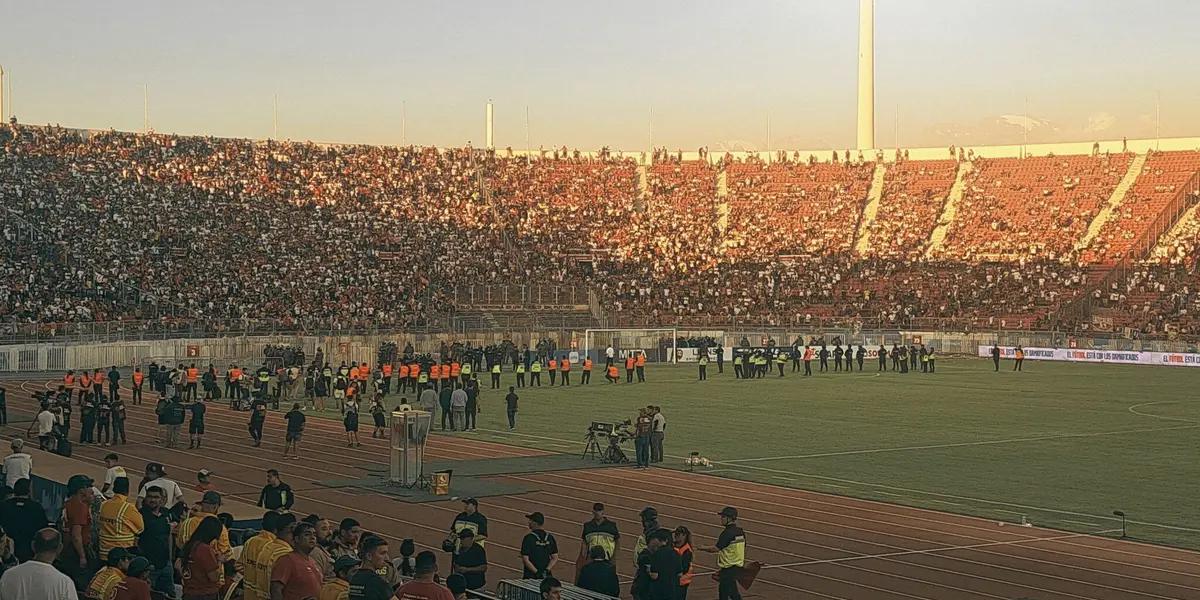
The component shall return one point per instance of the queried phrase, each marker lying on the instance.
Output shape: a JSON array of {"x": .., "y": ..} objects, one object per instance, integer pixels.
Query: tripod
[{"x": 593, "y": 446}]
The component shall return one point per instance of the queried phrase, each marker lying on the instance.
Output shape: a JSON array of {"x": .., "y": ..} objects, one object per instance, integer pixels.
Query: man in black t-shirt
[
  {"x": 511, "y": 402},
  {"x": 470, "y": 560},
  {"x": 21, "y": 517},
  {"x": 258, "y": 418},
  {"x": 196, "y": 426},
  {"x": 155, "y": 541},
  {"x": 539, "y": 550},
  {"x": 663, "y": 567},
  {"x": 366, "y": 583},
  {"x": 295, "y": 429},
  {"x": 470, "y": 519}
]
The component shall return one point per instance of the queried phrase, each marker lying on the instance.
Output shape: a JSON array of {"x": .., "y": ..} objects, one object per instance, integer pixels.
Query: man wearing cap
[
  {"x": 338, "y": 586},
  {"x": 104, "y": 585},
  {"x": 210, "y": 503},
  {"x": 423, "y": 586},
  {"x": 649, "y": 523},
  {"x": 663, "y": 568},
  {"x": 250, "y": 550},
  {"x": 601, "y": 532},
  {"x": 155, "y": 541},
  {"x": 731, "y": 554},
  {"x": 156, "y": 476},
  {"x": 204, "y": 481},
  {"x": 120, "y": 521},
  {"x": 76, "y": 560},
  {"x": 136, "y": 584},
  {"x": 38, "y": 578},
  {"x": 470, "y": 560},
  {"x": 539, "y": 549},
  {"x": 295, "y": 576},
  {"x": 470, "y": 518},
  {"x": 17, "y": 465}
]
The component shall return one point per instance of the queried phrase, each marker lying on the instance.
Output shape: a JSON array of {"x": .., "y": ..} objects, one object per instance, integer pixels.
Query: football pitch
[{"x": 1059, "y": 445}]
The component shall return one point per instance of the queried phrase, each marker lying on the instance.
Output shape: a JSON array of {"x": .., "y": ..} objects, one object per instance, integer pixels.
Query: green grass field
[{"x": 1062, "y": 444}]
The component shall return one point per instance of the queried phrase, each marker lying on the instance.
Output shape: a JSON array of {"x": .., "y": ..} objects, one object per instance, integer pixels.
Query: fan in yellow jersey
[
  {"x": 248, "y": 561},
  {"x": 338, "y": 588},
  {"x": 120, "y": 521},
  {"x": 271, "y": 552},
  {"x": 209, "y": 505},
  {"x": 104, "y": 584}
]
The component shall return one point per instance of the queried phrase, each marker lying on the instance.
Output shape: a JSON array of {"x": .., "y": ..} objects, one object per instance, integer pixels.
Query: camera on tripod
[{"x": 616, "y": 434}]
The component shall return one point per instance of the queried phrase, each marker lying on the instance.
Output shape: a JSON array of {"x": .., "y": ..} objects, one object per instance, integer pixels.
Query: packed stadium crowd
[{"x": 109, "y": 226}]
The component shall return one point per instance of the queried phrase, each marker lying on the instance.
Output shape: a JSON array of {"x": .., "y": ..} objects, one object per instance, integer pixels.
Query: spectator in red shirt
[
  {"x": 199, "y": 563},
  {"x": 136, "y": 585},
  {"x": 76, "y": 557},
  {"x": 295, "y": 575},
  {"x": 423, "y": 587}
]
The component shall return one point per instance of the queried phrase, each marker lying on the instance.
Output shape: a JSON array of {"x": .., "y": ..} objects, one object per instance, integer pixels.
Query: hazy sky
[{"x": 947, "y": 71}]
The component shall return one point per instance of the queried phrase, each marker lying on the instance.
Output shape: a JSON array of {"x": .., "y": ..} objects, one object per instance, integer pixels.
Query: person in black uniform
[
  {"x": 860, "y": 356},
  {"x": 87, "y": 415},
  {"x": 881, "y": 356},
  {"x": 720, "y": 359},
  {"x": 837, "y": 357},
  {"x": 796, "y": 349},
  {"x": 823, "y": 354},
  {"x": 539, "y": 549},
  {"x": 903, "y": 351},
  {"x": 664, "y": 567},
  {"x": 470, "y": 560},
  {"x": 895, "y": 358},
  {"x": 470, "y": 518},
  {"x": 731, "y": 555},
  {"x": 912, "y": 358},
  {"x": 258, "y": 417},
  {"x": 996, "y": 357},
  {"x": 196, "y": 426},
  {"x": 103, "y": 420}
]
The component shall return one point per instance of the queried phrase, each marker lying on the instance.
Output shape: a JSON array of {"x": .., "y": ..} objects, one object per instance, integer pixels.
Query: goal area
[{"x": 660, "y": 345}]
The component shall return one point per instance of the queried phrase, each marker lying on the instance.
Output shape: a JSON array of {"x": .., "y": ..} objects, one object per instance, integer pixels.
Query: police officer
[
  {"x": 731, "y": 554},
  {"x": 495, "y": 375},
  {"x": 520, "y": 374},
  {"x": 881, "y": 354},
  {"x": 535, "y": 373},
  {"x": 996, "y": 357},
  {"x": 823, "y": 355},
  {"x": 860, "y": 356},
  {"x": 837, "y": 357}
]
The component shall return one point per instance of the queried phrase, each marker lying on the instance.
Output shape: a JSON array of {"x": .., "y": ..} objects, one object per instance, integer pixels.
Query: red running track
[{"x": 814, "y": 545}]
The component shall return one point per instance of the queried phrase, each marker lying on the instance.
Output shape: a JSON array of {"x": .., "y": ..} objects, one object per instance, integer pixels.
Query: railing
[{"x": 518, "y": 296}]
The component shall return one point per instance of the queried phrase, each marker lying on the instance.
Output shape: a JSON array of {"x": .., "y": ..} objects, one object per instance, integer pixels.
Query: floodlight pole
[{"x": 866, "y": 74}]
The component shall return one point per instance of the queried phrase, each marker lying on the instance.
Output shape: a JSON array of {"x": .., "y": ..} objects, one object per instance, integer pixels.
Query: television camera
[{"x": 615, "y": 434}]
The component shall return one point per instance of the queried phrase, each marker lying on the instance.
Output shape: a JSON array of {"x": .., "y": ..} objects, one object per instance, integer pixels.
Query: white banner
[{"x": 1127, "y": 357}]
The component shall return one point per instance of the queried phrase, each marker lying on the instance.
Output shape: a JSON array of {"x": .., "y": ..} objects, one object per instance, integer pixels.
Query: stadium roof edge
[{"x": 1140, "y": 146}]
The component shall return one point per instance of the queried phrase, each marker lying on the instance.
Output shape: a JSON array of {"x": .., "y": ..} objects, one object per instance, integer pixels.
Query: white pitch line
[
  {"x": 1080, "y": 522},
  {"x": 961, "y": 444},
  {"x": 937, "y": 550}
]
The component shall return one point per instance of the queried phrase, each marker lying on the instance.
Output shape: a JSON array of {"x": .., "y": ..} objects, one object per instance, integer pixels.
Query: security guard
[
  {"x": 535, "y": 373},
  {"x": 495, "y": 375},
  {"x": 780, "y": 361},
  {"x": 641, "y": 366},
  {"x": 586, "y": 378},
  {"x": 649, "y": 516},
  {"x": 564, "y": 369},
  {"x": 465, "y": 371},
  {"x": 120, "y": 521},
  {"x": 731, "y": 555},
  {"x": 470, "y": 519},
  {"x": 520, "y": 374},
  {"x": 630, "y": 361},
  {"x": 599, "y": 531},
  {"x": 703, "y": 366},
  {"x": 553, "y": 366}
]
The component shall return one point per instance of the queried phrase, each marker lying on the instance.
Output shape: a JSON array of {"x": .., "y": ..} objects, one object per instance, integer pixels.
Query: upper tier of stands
[{"x": 112, "y": 226}]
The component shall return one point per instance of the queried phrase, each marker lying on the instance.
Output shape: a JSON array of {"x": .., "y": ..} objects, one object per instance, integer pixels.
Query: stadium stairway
[
  {"x": 722, "y": 201},
  {"x": 938, "y": 238},
  {"x": 1114, "y": 202},
  {"x": 862, "y": 240}
]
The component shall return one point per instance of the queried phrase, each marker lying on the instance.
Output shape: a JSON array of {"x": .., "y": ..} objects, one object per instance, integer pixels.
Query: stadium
[{"x": 952, "y": 372}]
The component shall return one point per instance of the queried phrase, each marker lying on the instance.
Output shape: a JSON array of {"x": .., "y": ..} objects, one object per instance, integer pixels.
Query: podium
[{"x": 410, "y": 429}]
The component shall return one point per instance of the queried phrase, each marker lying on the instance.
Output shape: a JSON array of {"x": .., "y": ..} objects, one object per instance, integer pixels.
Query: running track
[{"x": 814, "y": 545}]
